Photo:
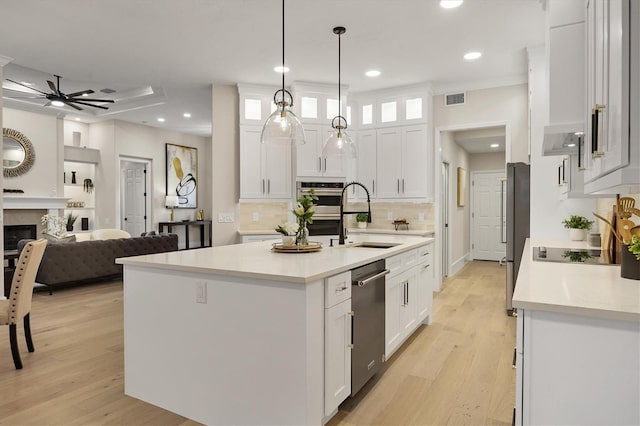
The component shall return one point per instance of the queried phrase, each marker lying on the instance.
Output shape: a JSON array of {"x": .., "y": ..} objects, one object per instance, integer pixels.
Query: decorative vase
[
  {"x": 73, "y": 177},
  {"x": 629, "y": 265},
  {"x": 576, "y": 234},
  {"x": 288, "y": 240},
  {"x": 302, "y": 237}
]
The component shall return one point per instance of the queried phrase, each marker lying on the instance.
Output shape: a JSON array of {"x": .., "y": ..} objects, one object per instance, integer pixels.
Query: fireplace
[{"x": 15, "y": 233}]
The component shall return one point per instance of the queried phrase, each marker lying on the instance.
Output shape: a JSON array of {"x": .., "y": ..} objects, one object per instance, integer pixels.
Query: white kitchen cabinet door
[
  {"x": 337, "y": 355},
  {"x": 251, "y": 173},
  {"x": 612, "y": 159},
  {"x": 394, "y": 297},
  {"x": 310, "y": 162},
  {"x": 389, "y": 162},
  {"x": 417, "y": 168},
  {"x": 424, "y": 285},
  {"x": 409, "y": 304},
  {"x": 367, "y": 160},
  {"x": 265, "y": 169}
]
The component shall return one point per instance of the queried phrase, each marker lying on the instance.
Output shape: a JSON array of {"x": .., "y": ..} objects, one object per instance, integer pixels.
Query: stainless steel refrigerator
[{"x": 517, "y": 229}]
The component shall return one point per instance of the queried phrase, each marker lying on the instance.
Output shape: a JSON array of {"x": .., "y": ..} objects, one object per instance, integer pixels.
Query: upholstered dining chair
[{"x": 18, "y": 305}]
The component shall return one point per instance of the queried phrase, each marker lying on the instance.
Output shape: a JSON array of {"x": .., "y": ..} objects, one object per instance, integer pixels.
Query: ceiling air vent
[{"x": 454, "y": 99}]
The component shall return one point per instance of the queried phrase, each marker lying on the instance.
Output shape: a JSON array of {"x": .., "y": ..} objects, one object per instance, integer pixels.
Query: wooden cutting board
[{"x": 607, "y": 236}]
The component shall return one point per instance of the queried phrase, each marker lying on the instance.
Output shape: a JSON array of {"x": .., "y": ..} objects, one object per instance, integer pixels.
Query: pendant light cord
[
  {"x": 339, "y": 98},
  {"x": 283, "y": 95}
]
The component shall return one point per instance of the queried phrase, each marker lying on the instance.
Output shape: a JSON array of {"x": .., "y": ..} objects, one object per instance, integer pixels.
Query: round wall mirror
[{"x": 18, "y": 154}]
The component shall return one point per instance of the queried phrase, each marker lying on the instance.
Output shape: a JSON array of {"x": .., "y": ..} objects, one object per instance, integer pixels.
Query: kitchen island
[
  {"x": 578, "y": 342},
  {"x": 243, "y": 335}
]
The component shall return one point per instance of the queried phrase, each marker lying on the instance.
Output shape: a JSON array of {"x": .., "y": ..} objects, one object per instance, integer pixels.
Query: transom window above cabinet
[{"x": 409, "y": 106}]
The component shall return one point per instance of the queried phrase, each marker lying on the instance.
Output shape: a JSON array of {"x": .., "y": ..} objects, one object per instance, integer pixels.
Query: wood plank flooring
[{"x": 455, "y": 371}]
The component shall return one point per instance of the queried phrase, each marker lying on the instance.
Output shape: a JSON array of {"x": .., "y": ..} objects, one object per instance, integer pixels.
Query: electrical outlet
[
  {"x": 256, "y": 216},
  {"x": 421, "y": 217},
  {"x": 389, "y": 215},
  {"x": 201, "y": 292}
]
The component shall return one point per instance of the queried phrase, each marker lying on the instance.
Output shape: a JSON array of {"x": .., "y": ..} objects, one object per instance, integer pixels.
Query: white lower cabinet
[
  {"x": 337, "y": 341},
  {"x": 577, "y": 370},
  {"x": 408, "y": 295}
]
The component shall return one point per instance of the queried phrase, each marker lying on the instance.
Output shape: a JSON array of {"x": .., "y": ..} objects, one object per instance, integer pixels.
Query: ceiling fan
[{"x": 58, "y": 98}]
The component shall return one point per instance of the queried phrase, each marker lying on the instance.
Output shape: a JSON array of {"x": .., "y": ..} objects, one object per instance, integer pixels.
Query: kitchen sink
[{"x": 372, "y": 244}]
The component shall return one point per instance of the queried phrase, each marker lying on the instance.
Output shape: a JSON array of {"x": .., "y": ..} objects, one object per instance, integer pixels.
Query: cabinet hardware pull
[
  {"x": 373, "y": 182},
  {"x": 350, "y": 345},
  {"x": 403, "y": 186},
  {"x": 325, "y": 165},
  {"x": 513, "y": 364},
  {"x": 426, "y": 266},
  {"x": 263, "y": 186},
  {"x": 341, "y": 289},
  {"x": 580, "y": 142},
  {"x": 268, "y": 186},
  {"x": 595, "y": 131},
  {"x": 352, "y": 314},
  {"x": 320, "y": 164},
  {"x": 426, "y": 253},
  {"x": 398, "y": 185}
]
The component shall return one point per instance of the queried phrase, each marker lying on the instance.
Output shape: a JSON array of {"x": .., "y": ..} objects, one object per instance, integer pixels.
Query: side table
[{"x": 202, "y": 224}]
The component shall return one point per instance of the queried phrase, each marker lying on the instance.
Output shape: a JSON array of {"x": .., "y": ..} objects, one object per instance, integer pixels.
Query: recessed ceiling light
[
  {"x": 57, "y": 103},
  {"x": 186, "y": 115},
  {"x": 472, "y": 55},
  {"x": 161, "y": 120},
  {"x": 281, "y": 69},
  {"x": 450, "y": 4},
  {"x": 494, "y": 145},
  {"x": 372, "y": 73},
  {"x": 571, "y": 145},
  {"x": 77, "y": 118}
]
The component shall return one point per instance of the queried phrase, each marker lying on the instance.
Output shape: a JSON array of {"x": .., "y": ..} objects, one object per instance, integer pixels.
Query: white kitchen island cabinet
[
  {"x": 578, "y": 343},
  {"x": 236, "y": 334}
]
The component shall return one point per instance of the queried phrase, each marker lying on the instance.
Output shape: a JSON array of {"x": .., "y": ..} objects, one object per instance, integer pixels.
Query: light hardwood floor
[{"x": 455, "y": 371}]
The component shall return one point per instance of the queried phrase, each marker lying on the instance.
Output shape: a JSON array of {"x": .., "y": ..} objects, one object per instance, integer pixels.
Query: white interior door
[
  {"x": 486, "y": 216},
  {"x": 134, "y": 197}
]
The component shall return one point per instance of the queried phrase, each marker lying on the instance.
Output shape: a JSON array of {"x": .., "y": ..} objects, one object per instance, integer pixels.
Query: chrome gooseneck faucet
[{"x": 342, "y": 212}]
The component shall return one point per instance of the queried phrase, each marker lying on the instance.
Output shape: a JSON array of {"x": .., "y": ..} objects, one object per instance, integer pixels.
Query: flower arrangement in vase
[
  {"x": 288, "y": 231},
  {"x": 577, "y": 226},
  {"x": 304, "y": 211}
]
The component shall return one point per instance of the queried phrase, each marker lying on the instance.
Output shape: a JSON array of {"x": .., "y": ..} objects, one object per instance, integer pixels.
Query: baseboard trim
[{"x": 459, "y": 264}]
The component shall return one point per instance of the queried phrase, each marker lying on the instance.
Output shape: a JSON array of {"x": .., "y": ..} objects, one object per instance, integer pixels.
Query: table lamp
[{"x": 171, "y": 201}]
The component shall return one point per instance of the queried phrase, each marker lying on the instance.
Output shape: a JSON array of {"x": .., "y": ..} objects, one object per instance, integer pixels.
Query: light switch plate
[
  {"x": 421, "y": 217},
  {"x": 201, "y": 292},
  {"x": 256, "y": 216},
  {"x": 389, "y": 215}
]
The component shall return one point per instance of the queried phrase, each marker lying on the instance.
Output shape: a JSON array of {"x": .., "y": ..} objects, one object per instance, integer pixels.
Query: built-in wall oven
[{"x": 326, "y": 220}]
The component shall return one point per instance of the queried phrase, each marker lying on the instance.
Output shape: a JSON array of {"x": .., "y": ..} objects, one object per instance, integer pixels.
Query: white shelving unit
[{"x": 77, "y": 194}]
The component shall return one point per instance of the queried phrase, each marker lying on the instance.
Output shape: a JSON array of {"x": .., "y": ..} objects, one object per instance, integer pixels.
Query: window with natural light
[
  {"x": 367, "y": 114},
  {"x": 332, "y": 108},
  {"x": 388, "y": 112},
  {"x": 309, "y": 107},
  {"x": 252, "y": 109},
  {"x": 413, "y": 109}
]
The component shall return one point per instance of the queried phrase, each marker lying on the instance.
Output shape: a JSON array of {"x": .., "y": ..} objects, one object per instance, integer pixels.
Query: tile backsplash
[{"x": 265, "y": 216}]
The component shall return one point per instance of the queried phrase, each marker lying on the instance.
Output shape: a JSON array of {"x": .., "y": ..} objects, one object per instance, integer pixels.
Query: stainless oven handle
[
  {"x": 332, "y": 216},
  {"x": 366, "y": 281},
  {"x": 323, "y": 191}
]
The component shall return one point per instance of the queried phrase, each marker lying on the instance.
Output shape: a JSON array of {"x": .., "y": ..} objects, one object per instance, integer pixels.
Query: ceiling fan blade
[
  {"x": 91, "y": 105},
  {"x": 84, "y": 92},
  {"x": 28, "y": 87},
  {"x": 91, "y": 100},
  {"x": 53, "y": 87},
  {"x": 73, "y": 106},
  {"x": 26, "y": 97}
]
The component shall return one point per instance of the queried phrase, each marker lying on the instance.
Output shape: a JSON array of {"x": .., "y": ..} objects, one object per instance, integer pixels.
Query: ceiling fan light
[{"x": 57, "y": 103}]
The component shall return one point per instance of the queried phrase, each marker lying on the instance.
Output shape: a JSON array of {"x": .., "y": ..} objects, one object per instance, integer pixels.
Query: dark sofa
[{"x": 94, "y": 260}]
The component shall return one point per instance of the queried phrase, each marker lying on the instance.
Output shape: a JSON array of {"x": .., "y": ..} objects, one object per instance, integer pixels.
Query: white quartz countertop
[
  {"x": 583, "y": 289},
  {"x": 256, "y": 260},
  {"x": 417, "y": 232}
]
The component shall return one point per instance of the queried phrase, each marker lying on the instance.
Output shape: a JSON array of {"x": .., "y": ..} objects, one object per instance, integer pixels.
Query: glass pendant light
[
  {"x": 282, "y": 124},
  {"x": 339, "y": 143}
]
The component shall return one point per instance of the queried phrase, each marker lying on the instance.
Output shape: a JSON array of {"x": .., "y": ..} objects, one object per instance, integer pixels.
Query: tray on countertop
[{"x": 308, "y": 248}]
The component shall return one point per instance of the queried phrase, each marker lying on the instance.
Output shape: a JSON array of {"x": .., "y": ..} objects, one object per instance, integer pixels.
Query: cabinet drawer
[
  {"x": 401, "y": 262},
  {"x": 337, "y": 289},
  {"x": 425, "y": 254}
]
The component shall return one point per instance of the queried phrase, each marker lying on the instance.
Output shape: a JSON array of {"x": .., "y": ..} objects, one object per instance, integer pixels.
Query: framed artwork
[
  {"x": 182, "y": 175},
  {"x": 462, "y": 186}
]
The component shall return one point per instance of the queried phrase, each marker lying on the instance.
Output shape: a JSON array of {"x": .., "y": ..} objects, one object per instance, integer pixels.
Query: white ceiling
[
  {"x": 479, "y": 141},
  {"x": 178, "y": 48}
]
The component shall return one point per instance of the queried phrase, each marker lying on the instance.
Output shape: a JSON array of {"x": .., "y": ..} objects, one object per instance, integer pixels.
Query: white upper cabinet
[
  {"x": 265, "y": 169},
  {"x": 256, "y": 103},
  {"x": 367, "y": 161},
  {"x": 612, "y": 157},
  {"x": 404, "y": 162},
  {"x": 565, "y": 59}
]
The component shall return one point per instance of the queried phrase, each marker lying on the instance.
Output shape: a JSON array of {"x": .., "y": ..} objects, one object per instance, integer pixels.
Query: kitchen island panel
[{"x": 260, "y": 339}]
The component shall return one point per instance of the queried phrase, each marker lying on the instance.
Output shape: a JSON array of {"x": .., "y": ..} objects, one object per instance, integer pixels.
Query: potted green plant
[
  {"x": 71, "y": 219},
  {"x": 88, "y": 186},
  {"x": 630, "y": 262},
  {"x": 362, "y": 219},
  {"x": 577, "y": 225}
]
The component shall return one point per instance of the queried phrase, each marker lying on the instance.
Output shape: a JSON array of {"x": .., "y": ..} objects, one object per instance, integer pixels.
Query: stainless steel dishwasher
[{"x": 367, "y": 303}]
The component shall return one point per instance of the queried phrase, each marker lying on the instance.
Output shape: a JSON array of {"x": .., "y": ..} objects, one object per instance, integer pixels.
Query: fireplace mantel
[{"x": 16, "y": 202}]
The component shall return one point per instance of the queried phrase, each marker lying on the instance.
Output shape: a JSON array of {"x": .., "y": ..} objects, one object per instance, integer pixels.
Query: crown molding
[
  {"x": 442, "y": 89},
  {"x": 4, "y": 60}
]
